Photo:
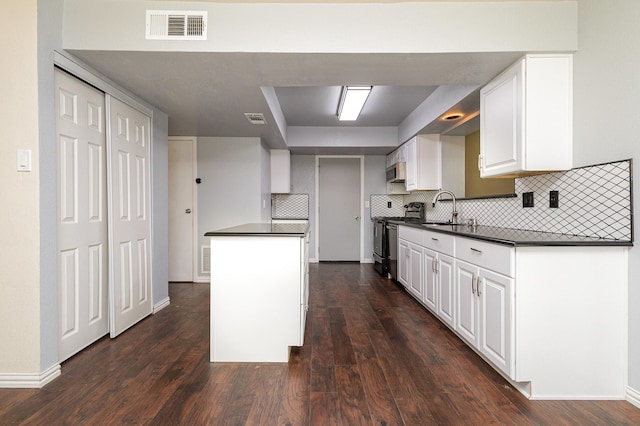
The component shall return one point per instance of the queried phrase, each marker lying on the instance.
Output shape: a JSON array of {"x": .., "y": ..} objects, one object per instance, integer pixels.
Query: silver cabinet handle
[
  {"x": 475, "y": 250},
  {"x": 473, "y": 289},
  {"x": 188, "y": 211},
  {"x": 435, "y": 239},
  {"x": 478, "y": 287},
  {"x": 357, "y": 217}
]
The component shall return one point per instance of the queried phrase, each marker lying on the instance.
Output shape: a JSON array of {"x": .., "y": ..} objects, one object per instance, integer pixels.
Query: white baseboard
[
  {"x": 313, "y": 260},
  {"x": 633, "y": 396},
  {"x": 202, "y": 279},
  {"x": 161, "y": 304},
  {"x": 366, "y": 261},
  {"x": 35, "y": 380}
]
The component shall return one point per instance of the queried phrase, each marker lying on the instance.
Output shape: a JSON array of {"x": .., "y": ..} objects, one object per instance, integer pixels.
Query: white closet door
[
  {"x": 129, "y": 162},
  {"x": 82, "y": 214}
]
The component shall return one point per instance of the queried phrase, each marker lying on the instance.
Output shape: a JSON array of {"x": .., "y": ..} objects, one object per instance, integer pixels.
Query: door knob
[
  {"x": 187, "y": 211},
  {"x": 357, "y": 217}
]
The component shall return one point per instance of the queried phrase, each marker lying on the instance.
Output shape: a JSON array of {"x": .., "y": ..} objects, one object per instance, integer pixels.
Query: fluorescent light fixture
[{"x": 352, "y": 100}]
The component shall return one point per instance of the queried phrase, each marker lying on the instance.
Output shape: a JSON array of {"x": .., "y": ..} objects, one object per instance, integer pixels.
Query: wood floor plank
[
  {"x": 354, "y": 409},
  {"x": 382, "y": 404},
  {"x": 342, "y": 350},
  {"x": 325, "y": 410}
]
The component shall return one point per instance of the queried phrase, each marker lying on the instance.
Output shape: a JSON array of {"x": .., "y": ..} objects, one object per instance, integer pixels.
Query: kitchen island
[{"x": 259, "y": 291}]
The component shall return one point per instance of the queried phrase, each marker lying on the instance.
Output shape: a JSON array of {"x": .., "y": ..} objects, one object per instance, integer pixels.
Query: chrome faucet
[{"x": 454, "y": 212}]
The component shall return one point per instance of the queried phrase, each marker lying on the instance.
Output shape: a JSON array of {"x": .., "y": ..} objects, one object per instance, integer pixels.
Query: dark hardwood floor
[{"x": 372, "y": 356}]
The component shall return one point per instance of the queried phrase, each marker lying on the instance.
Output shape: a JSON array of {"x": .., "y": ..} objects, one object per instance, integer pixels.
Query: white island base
[{"x": 259, "y": 296}]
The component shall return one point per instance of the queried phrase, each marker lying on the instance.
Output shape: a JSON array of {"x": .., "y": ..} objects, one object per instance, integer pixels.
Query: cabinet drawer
[
  {"x": 412, "y": 235},
  {"x": 495, "y": 257},
  {"x": 442, "y": 243}
]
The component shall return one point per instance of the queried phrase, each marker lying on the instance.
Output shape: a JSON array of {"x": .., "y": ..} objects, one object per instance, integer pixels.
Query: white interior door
[
  {"x": 339, "y": 209},
  {"x": 181, "y": 209},
  {"x": 129, "y": 162},
  {"x": 82, "y": 214}
]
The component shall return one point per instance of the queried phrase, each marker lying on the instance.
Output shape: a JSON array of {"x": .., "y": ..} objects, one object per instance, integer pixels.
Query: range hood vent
[
  {"x": 255, "y": 117},
  {"x": 176, "y": 25}
]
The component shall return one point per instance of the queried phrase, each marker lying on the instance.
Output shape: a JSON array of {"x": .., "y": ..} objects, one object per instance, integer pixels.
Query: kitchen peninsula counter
[{"x": 259, "y": 291}]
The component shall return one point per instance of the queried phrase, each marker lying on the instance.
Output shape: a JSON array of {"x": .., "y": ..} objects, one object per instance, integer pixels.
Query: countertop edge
[
  {"x": 262, "y": 229},
  {"x": 520, "y": 243},
  {"x": 254, "y": 234}
]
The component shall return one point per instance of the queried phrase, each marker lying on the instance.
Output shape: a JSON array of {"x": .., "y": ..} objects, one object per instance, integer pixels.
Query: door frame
[
  {"x": 194, "y": 200},
  {"x": 317, "y": 209}
]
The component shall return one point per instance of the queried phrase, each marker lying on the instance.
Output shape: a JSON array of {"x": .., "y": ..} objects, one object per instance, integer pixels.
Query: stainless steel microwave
[{"x": 397, "y": 172}]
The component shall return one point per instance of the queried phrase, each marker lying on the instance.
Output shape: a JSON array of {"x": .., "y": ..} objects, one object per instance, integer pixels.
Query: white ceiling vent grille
[
  {"x": 255, "y": 117},
  {"x": 176, "y": 25}
]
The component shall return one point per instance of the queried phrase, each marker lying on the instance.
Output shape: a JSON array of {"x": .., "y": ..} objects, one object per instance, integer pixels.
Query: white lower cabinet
[
  {"x": 550, "y": 319},
  {"x": 484, "y": 315},
  {"x": 416, "y": 269},
  {"x": 439, "y": 285},
  {"x": 404, "y": 262},
  {"x": 430, "y": 296},
  {"x": 411, "y": 267}
]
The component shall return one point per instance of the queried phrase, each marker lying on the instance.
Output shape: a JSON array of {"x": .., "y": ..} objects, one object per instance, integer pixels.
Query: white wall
[
  {"x": 49, "y": 38},
  {"x": 382, "y": 27},
  {"x": 303, "y": 181},
  {"x": 232, "y": 172},
  {"x": 265, "y": 183},
  {"x": 19, "y": 218},
  {"x": 606, "y": 118},
  {"x": 160, "y": 200},
  {"x": 374, "y": 183}
]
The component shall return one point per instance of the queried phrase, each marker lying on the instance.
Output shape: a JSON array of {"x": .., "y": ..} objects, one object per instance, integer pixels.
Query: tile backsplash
[
  {"x": 289, "y": 206},
  {"x": 594, "y": 201}
]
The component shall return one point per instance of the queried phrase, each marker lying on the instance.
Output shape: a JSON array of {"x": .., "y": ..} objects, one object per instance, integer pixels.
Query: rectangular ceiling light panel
[
  {"x": 176, "y": 25},
  {"x": 351, "y": 102}
]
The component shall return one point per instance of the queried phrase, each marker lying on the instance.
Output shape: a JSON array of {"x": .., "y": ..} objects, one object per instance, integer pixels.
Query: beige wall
[
  {"x": 474, "y": 186},
  {"x": 19, "y": 216}
]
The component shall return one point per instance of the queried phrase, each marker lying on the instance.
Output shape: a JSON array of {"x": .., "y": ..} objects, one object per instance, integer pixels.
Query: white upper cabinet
[
  {"x": 424, "y": 163},
  {"x": 280, "y": 171},
  {"x": 526, "y": 118},
  {"x": 397, "y": 156}
]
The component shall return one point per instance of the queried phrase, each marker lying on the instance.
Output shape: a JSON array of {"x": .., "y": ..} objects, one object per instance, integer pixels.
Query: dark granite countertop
[
  {"x": 263, "y": 229},
  {"x": 516, "y": 237}
]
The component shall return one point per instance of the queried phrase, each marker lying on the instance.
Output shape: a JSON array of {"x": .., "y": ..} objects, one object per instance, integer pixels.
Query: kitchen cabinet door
[
  {"x": 424, "y": 163},
  {"x": 466, "y": 307},
  {"x": 404, "y": 260},
  {"x": 495, "y": 296},
  {"x": 526, "y": 117},
  {"x": 501, "y": 124},
  {"x": 430, "y": 279},
  {"x": 411, "y": 151},
  {"x": 445, "y": 291},
  {"x": 416, "y": 271}
]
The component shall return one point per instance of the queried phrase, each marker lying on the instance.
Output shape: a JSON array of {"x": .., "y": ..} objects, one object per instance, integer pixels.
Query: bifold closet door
[
  {"x": 129, "y": 162},
  {"x": 82, "y": 214}
]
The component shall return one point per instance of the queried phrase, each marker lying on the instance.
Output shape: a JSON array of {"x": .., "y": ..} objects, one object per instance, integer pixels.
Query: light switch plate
[{"x": 24, "y": 160}]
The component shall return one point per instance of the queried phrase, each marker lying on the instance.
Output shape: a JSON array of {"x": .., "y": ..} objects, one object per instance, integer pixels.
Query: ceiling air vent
[
  {"x": 255, "y": 117},
  {"x": 176, "y": 25}
]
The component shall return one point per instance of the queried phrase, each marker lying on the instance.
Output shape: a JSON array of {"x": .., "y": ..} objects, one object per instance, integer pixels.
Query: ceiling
[{"x": 207, "y": 94}]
